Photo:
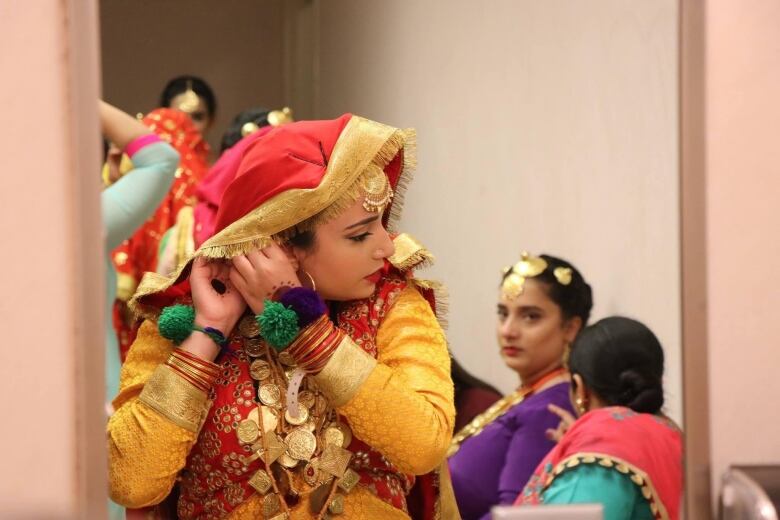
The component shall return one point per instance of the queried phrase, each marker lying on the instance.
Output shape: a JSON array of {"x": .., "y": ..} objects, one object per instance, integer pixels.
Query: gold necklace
[{"x": 312, "y": 444}]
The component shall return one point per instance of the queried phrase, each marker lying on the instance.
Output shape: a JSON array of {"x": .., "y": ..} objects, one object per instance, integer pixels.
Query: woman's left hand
[
  {"x": 259, "y": 274},
  {"x": 567, "y": 420}
]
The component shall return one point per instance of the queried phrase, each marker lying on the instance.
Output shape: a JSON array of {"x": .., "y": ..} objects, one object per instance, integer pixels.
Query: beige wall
[
  {"x": 548, "y": 126},
  {"x": 743, "y": 244},
  {"x": 52, "y": 360},
  {"x": 235, "y": 45}
]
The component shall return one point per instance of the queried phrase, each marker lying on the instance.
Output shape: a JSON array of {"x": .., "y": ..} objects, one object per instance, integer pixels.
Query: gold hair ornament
[
  {"x": 280, "y": 117},
  {"x": 249, "y": 128},
  {"x": 527, "y": 267},
  {"x": 274, "y": 118},
  {"x": 563, "y": 275},
  {"x": 190, "y": 100}
]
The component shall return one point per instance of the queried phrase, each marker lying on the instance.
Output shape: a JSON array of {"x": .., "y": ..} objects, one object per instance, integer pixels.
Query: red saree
[{"x": 138, "y": 254}]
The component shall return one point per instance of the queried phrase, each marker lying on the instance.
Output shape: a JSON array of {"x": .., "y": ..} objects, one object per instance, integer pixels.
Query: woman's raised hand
[
  {"x": 217, "y": 302},
  {"x": 567, "y": 420},
  {"x": 259, "y": 274}
]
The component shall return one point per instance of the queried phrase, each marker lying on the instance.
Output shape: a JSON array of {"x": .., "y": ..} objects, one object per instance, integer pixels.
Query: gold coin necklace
[{"x": 313, "y": 443}]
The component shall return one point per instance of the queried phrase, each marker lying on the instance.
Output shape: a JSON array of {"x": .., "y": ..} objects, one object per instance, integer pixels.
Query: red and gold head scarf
[{"x": 296, "y": 176}]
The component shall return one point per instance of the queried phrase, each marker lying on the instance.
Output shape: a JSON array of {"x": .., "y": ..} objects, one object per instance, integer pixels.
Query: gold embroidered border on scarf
[
  {"x": 637, "y": 476},
  {"x": 362, "y": 145}
]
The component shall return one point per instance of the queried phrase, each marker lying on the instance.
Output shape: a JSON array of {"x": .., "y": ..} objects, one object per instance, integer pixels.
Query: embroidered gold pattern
[
  {"x": 175, "y": 398},
  {"x": 344, "y": 374},
  {"x": 638, "y": 477}
]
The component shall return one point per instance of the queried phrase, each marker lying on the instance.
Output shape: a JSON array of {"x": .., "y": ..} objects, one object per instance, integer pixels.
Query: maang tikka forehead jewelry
[
  {"x": 377, "y": 191},
  {"x": 189, "y": 101}
]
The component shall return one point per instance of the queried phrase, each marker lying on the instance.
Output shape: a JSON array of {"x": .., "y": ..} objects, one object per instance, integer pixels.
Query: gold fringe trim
[
  {"x": 638, "y": 477},
  {"x": 354, "y": 192},
  {"x": 442, "y": 296},
  {"x": 227, "y": 251},
  {"x": 408, "y": 169},
  {"x": 150, "y": 284},
  {"x": 410, "y": 254},
  {"x": 185, "y": 223}
]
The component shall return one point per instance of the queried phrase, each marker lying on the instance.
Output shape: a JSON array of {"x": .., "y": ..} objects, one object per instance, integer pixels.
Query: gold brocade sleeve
[
  {"x": 345, "y": 373},
  {"x": 404, "y": 407},
  {"x": 146, "y": 450}
]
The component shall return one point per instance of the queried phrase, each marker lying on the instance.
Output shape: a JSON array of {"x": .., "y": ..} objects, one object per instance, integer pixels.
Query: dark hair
[
  {"x": 178, "y": 85},
  {"x": 463, "y": 380},
  {"x": 302, "y": 239},
  {"x": 622, "y": 361},
  {"x": 574, "y": 299},
  {"x": 233, "y": 134}
]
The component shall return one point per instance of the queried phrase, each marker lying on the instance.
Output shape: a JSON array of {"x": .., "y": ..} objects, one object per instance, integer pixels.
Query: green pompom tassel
[
  {"x": 176, "y": 322},
  {"x": 278, "y": 324}
]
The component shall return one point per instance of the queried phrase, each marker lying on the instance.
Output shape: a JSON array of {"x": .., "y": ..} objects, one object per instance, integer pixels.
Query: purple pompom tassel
[{"x": 306, "y": 303}]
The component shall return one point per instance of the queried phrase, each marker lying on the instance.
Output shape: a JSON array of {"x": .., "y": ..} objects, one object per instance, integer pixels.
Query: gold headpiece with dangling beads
[
  {"x": 377, "y": 191},
  {"x": 529, "y": 267},
  {"x": 189, "y": 101}
]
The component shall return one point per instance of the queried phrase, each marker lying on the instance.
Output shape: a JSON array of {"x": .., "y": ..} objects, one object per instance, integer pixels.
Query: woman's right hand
[
  {"x": 567, "y": 420},
  {"x": 220, "y": 310}
]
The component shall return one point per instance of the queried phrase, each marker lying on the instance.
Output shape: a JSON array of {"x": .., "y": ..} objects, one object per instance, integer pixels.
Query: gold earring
[
  {"x": 580, "y": 404},
  {"x": 311, "y": 279},
  {"x": 566, "y": 355}
]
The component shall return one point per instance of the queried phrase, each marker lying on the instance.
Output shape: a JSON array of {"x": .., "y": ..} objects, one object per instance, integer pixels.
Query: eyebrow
[
  {"x": 362, "y": 222},
  {"x": 526, "y": 308}
]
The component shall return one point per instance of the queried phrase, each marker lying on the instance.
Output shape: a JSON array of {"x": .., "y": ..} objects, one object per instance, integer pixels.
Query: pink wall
[
  {"x": 52, "y": 435},
  {"x": 743, "y": 240}
]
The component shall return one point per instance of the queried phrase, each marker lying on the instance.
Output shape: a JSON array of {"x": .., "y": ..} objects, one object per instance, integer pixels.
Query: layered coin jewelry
[{"x": 303, "y": 449}]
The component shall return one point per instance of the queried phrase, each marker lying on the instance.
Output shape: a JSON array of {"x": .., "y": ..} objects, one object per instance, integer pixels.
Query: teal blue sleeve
[
  {"x": 593, "y": 484},
  {"x": 131, "y": 200}
]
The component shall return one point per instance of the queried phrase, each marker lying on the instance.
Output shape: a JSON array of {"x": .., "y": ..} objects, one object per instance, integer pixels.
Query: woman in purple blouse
[{"x": 543, "y": 304}]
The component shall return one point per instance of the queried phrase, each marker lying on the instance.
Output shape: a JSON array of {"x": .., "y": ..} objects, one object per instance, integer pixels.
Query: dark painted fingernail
[{"x": 219, "y": 286}]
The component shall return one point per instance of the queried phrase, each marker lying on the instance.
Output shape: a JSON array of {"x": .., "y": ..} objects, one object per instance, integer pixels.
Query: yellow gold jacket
[{"x": 400, "y": 404}]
